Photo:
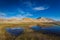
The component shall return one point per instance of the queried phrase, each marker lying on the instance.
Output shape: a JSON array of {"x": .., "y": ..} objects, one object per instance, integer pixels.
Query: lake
[{"x": 48, "y": 30}]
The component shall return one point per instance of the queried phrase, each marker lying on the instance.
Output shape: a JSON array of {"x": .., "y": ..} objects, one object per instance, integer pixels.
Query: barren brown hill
[{"x": 17, "y": 20}]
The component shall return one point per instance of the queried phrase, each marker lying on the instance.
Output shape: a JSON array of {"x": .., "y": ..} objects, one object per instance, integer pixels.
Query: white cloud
[
  {"x": 24, "y": 15},
  {"x": 20, "y": 11},
  {"x": 27, "y": 14},
  {"x": 40, "y": 8},
  {"x": 2, "y": 15},
  {"x": 21, "y": 14}
]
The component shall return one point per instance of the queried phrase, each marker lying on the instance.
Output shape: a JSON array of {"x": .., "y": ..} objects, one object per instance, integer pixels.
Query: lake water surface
[{"x": 48, "y": 30}]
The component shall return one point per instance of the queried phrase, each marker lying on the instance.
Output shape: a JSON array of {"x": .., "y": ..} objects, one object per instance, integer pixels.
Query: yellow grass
[{"x": 28, "y": 34}]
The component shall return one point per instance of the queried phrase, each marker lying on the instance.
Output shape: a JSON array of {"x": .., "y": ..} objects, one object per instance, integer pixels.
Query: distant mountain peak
[
  {"x": 40, "y": 17},
  {"x": 43, "y": 19}
]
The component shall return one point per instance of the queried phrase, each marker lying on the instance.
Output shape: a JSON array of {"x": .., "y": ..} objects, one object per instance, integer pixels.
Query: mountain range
[{"x": 18, "y": 20}]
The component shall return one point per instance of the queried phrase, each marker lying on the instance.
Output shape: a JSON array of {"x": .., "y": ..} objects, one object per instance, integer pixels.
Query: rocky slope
[{"x": 42, "y": 19}]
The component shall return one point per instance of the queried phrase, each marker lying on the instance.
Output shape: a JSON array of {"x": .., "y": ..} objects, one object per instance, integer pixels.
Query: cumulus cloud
[{"x": 40, "y": 8}]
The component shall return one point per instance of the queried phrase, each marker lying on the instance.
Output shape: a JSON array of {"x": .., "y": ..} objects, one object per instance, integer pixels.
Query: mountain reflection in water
[{"x": 48, "y": 30}]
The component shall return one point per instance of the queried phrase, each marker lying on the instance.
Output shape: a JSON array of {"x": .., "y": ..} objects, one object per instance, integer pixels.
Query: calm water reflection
[{"x": 48, "y": 30}]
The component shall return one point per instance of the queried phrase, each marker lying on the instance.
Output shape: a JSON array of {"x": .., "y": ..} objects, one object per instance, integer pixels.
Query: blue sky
[{"x": 30, "y": 9}]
